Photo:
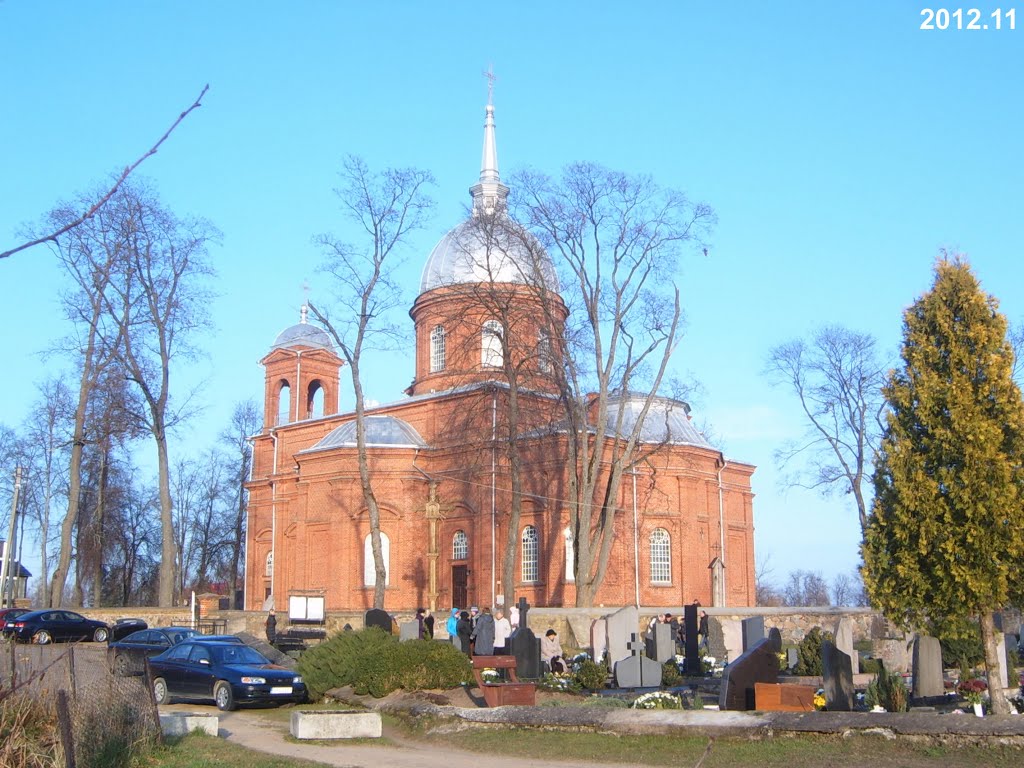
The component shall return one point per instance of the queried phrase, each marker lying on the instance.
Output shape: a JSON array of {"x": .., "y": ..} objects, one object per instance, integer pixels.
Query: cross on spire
[{"x": 491, "y": 77}]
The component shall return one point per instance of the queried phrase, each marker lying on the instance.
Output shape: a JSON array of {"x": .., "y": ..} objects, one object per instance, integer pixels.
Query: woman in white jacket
[{"x": 502, "y": 630}]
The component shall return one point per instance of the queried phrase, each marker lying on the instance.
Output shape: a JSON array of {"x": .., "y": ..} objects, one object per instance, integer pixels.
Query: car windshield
[
  {"x": 229, "y": 653},
  {"x": 177, "y": 635}
]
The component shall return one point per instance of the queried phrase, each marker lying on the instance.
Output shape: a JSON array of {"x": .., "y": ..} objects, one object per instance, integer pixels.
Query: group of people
[
  {"x": 479, "y": 633},
  {"x": 679, "y": 629}
]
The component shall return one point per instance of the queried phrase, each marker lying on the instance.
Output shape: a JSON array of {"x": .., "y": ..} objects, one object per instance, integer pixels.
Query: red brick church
[{"x": 684, "y": 529}]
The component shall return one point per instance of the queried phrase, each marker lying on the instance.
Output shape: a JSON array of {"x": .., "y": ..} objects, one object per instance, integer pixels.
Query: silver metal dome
[
  {"x": 381, "y": 431},
  {"x": 477, "y": 253},
  {"x": 302, "y": 334},
  {"x": 668, "y": 421}
]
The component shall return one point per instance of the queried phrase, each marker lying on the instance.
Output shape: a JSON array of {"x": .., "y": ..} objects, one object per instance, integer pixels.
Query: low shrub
[
  {"x": 809, "y": 652},
  {"x": 963, "y": 651},
  {"x": 887, "y": 690},
  {"x": 373, "y": 662},
  {"x": 670, "y": 676},
  {"x": 561, "y": 683},
  {"x": 591, "y": 675},
  {"x": 29, "y": 736},
  {"x": 870, "y": 666}
]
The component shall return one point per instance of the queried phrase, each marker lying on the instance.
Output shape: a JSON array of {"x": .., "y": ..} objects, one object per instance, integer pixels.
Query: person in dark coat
[
  {"x": 702, "y": 631},
  {"x": 271, "y": 627},
  {"x": 484, "y": 645},
  {"x": 428, "y": 625},
  {"x": 464, "y": 630}
]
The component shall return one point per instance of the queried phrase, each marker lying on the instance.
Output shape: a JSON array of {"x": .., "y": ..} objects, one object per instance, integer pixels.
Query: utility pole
[{"x": 6, "y": 574}]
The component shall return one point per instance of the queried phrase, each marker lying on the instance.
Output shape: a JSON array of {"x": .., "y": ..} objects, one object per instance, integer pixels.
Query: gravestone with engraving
[
  {"x": 837, "y": 676},
  {"x": 692, "y": 646},
  {"x": 927, "y": 668},
  {"x": 375, "y": 617},
  {"x": 1001, "y": 660},
  {"x": 753, "y": 631},
  {"x": 637, "y": 671},
  {"x": 622, "y": 625},
  {"x": 792, "y": 658},
  {"x": 844, "y": 640},
  {"x": 716, "y": 639},
  {"x": 775, "y": 639},
  {"x": 660, "y": 645},
  {"x": 758, "y": 665},
  {"x": 525, "y": 646},
  {"x": 598, "y": 639},
  {"x": 408, "y": 630}
]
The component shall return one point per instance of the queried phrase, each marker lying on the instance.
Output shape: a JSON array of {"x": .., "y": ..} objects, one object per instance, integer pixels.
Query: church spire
[{"x": 489, "y": 193}]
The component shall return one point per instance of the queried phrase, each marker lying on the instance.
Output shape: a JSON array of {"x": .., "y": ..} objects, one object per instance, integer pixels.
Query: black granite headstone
[
  {"x": 775, "y": 639},
  {"x": 375, "y": 617},
  {"x": 692, "y": 650},
  {"x": 525, "y": 646},
  {"x": 758, "y": 665},
  {"x": 837, "y": 676}
]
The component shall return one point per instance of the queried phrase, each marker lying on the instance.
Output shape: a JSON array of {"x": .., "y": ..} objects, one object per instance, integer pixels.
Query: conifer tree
[{"x": 945, "y": 540}]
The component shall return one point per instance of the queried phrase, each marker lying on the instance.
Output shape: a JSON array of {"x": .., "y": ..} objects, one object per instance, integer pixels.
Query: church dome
[
  {"x": 302, "y": 334},
  {"x": 488, "y": 247},
  {"x": 471, "y": 253},
  {"x": 381, "y": 431},
  {"x": 668, "y": 421}
]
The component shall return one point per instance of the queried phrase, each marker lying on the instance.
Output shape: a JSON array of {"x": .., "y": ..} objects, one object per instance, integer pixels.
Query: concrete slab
[
  {"x": 335, "y": 724},
  {"x": 183, "y": 723}
]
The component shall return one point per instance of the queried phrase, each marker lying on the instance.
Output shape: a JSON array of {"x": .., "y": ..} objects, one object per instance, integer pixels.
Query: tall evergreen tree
[{"x": 945, "y": 539}]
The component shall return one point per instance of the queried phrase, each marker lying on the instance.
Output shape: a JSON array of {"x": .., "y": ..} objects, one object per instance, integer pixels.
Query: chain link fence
[{"x": 96, "y": 719}]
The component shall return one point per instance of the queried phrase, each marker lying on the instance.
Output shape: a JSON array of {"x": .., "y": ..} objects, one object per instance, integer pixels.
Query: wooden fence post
[{"x": 66, "y": 733}]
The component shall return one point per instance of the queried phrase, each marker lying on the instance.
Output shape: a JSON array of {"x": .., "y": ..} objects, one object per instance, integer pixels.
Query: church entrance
[{"x": 460, "y": 587}]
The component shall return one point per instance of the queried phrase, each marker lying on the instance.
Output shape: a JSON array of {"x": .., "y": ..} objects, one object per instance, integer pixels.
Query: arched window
[
  {"x": 369, "y": 571},
  {"x": 268, "y": 568},
  {"x": 544, "y": 351},
  {"x": 284, "y": 403},
  {"x": 661, "y": 557},
  {"x": 437, "y": 349},
  {"x": 315, "y": 400},
  {"x": 570, "y": 555},
  {"x": 460, "y": 546},
  {"x": 490, "y": 345},
  {"x": 530, "y": 569}
]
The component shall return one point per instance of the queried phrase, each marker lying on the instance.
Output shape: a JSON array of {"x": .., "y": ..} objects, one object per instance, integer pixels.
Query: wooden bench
[
  {"x": 498, "y": 694},
  {"x": 775, "y": 697}
]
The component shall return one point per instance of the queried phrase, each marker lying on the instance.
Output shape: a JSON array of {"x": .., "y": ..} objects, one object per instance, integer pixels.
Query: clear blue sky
[{"x": 840, "y": 144}]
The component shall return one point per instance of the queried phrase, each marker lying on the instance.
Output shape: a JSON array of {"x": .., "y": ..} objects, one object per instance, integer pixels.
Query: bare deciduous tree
[
  {"x": 837, "y": 377},
  {"x": 806, "y": 589},
  {"x": 619, "y": 237},
  {"x": 386, "y": 207},
  {"x": 245, "y": 422}
]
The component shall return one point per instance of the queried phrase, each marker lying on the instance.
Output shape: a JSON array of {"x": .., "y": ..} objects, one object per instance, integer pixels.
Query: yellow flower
[{"x": 819, "y": 701}]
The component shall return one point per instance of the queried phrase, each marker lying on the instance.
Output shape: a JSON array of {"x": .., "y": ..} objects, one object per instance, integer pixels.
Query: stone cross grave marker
[{"x": 637, "y": 671}]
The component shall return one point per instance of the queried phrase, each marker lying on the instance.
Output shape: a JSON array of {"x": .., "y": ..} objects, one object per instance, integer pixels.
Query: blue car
[{"x": 228, "y": 673}]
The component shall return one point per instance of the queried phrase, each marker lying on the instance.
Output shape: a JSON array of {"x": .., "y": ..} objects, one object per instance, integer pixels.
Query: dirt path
[{"x": 251, "y": 730}]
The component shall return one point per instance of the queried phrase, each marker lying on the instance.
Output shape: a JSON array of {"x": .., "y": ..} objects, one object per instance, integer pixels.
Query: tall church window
[
  {"x": 437, "y": 349},
  {"x": 268, "y": 566},
  {"x": 284, "y": 403},
  {"x": 490, "y": 345},
  {"x": 369, "y": 570},
  {"x": 315, "y": 400},
  {"x": 544, "y": 351},
  {"x": 661, "y": 557},
  {"x": 530, "y": 551},
  {"x": 460, "y": 546},
  {"x": 570, "y": 555}
]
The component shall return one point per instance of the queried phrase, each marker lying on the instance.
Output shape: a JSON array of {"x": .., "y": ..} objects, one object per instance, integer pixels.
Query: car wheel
[
  {"x": 160, "y": 693},
  {"x": 42, "y": 637},
  {"x": 101, "y": 635},
  {"x": 122, "y": 665},
  {"x": 223, "y": 696}
]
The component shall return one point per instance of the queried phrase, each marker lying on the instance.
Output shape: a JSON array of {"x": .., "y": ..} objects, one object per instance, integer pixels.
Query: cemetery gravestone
[
  {"x": 1004, "y": 677},
  {"x": 622, "y": 625},
  {"x": 660, "y": 644},
  {"x": 927, "y": 668},
  {"x": 775, "y": 639},
  {"x": 638, "y": 671},
  {"x": 753, "y": 631},
  {"x": 758, "y": 665},
  {"x": 599, "y": 639},
  {"x": 837, "y": 672},
  {"x": 375, "y": 617},
  {"x": 408, "y": 630},
  {"x": 525, "y": 646},
  {"x": 692, "y": 649},
  {"x": 716, "y": 639},
  {"x": 792, "y": 658},
  {"x": 844, "y": 640}
]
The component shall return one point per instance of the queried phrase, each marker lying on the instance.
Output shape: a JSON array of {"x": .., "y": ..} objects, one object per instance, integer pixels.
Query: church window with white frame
[
  {"x": 491, "y": 354},
  {"x": 530, "y": 554},
  {"x": 437, "y": 349},
  {"x": 661, "y": 557},
  {"x": 460, "y": 546}
]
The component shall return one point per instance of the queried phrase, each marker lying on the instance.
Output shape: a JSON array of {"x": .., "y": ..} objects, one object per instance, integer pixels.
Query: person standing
[
  {"x": 452, "y": 625},
  {"x": 484, "y": 645},
  {"x": 502, "y": 630},
  {"x": 428, "y": 625},
  {"x": 702, "y": 631},
  {"x": 271, "y": 627},
  {"x": 463, "y": 632}
]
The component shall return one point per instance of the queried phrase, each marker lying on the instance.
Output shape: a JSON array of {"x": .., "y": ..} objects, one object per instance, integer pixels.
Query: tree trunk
[
  {"x": 101, "y": 496},
  {"x": 1000, "y": 706},
  {"x": 169, "y": 546},
  {"x": 380, "y": 572}
]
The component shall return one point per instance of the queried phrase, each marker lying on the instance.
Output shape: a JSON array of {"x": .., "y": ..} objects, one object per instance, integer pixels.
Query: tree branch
[{"x": 52, "y": 237}]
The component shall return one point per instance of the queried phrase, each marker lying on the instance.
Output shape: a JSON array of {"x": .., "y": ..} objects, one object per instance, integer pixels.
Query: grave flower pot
[{"x": 979, "y": 709}]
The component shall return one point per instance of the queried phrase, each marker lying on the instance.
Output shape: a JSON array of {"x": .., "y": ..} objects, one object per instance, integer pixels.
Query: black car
[
  {"x": 55, "y": 625},
  {"x": 128, "y": 655},
  {"x": 228, "y": 673},
  {"x": 123, "y": 627}
]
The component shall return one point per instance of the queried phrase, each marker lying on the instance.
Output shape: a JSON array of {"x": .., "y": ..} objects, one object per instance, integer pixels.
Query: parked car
[
  {"x": 128, "y": 655},
  {"x": 9, "y": 614},
  {"x": 228, "y": 673},
  {"x": 124, "y": 627},
  {"x": 52, "y": 625}
]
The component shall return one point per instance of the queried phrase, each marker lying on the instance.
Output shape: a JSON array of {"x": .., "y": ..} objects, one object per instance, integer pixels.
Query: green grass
[{"x": 199, "y": 750}]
